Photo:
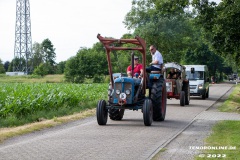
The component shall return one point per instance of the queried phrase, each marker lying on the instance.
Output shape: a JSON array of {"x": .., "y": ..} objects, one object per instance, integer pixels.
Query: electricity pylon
[{"x": 23, "y": 39}]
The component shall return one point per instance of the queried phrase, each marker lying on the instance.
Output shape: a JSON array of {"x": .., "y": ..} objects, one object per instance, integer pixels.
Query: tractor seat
[{"x": 156, "y": 72}]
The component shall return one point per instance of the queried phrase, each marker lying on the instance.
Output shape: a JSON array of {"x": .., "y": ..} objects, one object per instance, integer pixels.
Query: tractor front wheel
[
  {"x": 147, "y": 112},
  {"x": 102, "y": 112}
]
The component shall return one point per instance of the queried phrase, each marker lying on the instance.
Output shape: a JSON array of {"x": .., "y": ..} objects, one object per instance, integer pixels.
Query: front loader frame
[{"x": 110, "y": 45}]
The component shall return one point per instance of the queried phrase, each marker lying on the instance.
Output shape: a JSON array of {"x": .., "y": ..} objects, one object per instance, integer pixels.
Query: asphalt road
[{"x": 128, "y": 139}]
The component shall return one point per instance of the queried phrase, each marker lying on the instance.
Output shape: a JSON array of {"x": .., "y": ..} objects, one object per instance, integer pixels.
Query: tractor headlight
[
  {"x": 118, "y": 91},
  {"x": 200, "y": 86},
  {"x": 128, "y": 92}
]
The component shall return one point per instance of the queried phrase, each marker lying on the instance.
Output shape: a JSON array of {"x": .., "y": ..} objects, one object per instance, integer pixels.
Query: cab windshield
[{"x": 197, "y": 75}]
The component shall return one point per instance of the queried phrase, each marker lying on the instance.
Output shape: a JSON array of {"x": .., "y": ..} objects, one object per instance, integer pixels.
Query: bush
[{"x": 98, "y": 79}]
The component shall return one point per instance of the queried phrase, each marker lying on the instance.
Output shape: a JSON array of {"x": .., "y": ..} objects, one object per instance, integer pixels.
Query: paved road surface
[{"x": 128, "y": 139}]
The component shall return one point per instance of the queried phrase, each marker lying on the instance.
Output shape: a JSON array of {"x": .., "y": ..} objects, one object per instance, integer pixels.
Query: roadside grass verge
[
  {"x": 225, "y": 134},
  {"x": 39, "y": 116},
  {"x": 232, "y": 104},
  {"x": 9, "y": 132}
]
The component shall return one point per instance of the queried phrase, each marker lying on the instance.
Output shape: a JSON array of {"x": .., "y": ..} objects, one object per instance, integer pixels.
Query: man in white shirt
[{"x": 157, "y": 60}]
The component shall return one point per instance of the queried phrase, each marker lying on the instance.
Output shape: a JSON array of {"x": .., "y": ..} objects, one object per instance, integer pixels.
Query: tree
[
  {"x": 41, "y": 70},
  {"x": 61, "y": 67},
  {"x": 6, "y": 65},
  {"x": 88, "y": 63},
  {"x": 48, "y": 52},
  {"x": 165, "y": 24},
  {"x": 15, "y": 64},
  {"x": 204, "y": 56},
  {"x": 220, "y": 24},
  {"x": 71, "y": 71},
  {"x": 37, "y": 54},
  {"x": 2, "y": 70}
]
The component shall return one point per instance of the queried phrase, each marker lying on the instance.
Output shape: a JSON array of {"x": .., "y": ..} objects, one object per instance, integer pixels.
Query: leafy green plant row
[{"x": 21, "y": 99}]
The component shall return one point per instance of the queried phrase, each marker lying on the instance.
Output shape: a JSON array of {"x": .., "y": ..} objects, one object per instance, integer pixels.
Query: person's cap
[{"x": 136, "y": 57}]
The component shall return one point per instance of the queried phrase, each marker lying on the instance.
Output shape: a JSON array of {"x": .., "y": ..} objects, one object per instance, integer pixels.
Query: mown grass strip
[
  {"x": 232, "y": 104},
  {"x": 9, "y": 132}
]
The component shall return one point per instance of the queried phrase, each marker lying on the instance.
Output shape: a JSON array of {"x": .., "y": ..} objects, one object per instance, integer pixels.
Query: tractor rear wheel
[
  {"x": 116, "y": 114},
  {"x": 102, "y": 112},
  {"x": 182, "y": 98},
  {"x": 159, "y": 98},
  {"x": 147, "y": 112},
  {"x": 186, "y": 89}
]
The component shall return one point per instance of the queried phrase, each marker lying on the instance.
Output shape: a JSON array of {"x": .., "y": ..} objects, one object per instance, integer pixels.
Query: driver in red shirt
[{"x": 138, "y": 68}]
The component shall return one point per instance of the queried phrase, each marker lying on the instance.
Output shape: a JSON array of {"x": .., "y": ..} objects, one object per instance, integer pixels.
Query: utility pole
[{"x": 23, "y": 39}]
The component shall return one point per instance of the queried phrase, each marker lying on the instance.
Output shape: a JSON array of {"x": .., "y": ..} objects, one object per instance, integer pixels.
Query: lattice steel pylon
[{"x": 23, "y": 39}]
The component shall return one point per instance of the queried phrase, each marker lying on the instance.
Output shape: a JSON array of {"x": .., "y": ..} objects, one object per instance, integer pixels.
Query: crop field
[{"x": 23, "y": 99}]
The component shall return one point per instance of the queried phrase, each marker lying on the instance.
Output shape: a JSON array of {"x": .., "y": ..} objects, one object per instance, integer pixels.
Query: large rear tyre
[
  {"x": 116, "y": 114},
  {"x": 182, "y": 98},
  {"x": 186, "y": 89},
  {"x": 159, "y": 98},
  {"x": 102, "y": 112},
  {"x": 147, "y": 112}
]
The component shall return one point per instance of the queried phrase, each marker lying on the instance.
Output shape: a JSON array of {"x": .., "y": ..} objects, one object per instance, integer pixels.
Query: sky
[{"x": 68, "y": 24}]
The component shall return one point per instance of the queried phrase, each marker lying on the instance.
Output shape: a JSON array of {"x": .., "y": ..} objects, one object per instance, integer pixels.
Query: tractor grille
[{"x": 118, "y": 86}]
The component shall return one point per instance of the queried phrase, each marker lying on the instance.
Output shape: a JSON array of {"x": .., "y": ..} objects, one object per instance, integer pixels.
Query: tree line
[{"x": 186, "y": 32}]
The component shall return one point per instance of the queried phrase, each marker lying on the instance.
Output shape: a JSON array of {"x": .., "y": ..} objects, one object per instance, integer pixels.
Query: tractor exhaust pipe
[{"x": 132, "y": 61}]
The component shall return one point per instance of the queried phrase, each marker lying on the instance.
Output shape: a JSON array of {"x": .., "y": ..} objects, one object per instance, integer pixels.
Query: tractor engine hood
[{"x": 135, "y": 81}]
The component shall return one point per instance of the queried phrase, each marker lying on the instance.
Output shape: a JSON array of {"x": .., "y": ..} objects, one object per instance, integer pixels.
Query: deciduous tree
[{"x": 221, "y": 25}]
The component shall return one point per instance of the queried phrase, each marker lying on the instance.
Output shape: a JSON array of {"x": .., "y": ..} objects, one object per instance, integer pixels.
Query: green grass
[
  {"x": 232, "y": 104},
  {"x": 225, "y": 133},
  {"x": 57, "y": 78}
]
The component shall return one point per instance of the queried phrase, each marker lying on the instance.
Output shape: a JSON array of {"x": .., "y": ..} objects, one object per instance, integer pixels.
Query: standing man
[
  {"x": 137, "y": 68},
  {"x": 157, "y": 60}
]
